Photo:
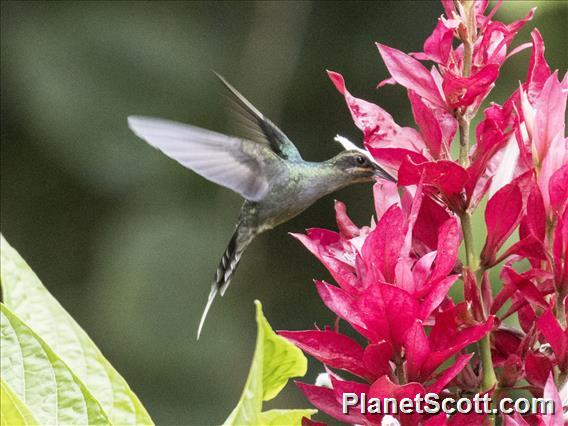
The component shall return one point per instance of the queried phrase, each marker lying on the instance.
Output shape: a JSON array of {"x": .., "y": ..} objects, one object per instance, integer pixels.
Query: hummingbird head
[
  {"x": 358, "y": 163},
  {"x": 359, "y": 167}
]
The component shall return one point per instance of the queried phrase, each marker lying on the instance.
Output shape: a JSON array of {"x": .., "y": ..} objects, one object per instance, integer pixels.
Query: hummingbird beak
[{"x": 380, "y": 172}]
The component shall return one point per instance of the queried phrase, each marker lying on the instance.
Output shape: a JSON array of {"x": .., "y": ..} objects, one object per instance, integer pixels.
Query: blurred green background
[{"x": 126, "y": 238}]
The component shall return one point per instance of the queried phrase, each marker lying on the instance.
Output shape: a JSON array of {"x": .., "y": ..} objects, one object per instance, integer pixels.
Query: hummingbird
[{"x": 267, "y": 171}]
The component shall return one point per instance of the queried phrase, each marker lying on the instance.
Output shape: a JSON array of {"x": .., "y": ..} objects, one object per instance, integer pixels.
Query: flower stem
[
  {"x": 465, "y": 219},
  {"x": 467, "y": 57},
  {"x": 464, "y": 140},
  {"x": 489, "y": 379}
]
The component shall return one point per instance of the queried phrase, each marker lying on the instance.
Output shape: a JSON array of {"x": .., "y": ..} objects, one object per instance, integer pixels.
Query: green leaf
[
  {"x": 275, "y": 361},
  {"x": 284, "y": 417},
  {"x": 13, "y": 411},
  {"x": 42, "y": 380},
  {"x": 281, "y": 359},
  {"x": 26, "y": 296}
]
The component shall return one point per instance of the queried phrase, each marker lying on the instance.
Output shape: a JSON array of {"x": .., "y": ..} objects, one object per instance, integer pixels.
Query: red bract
[
  {"x": 502, "y": 216},
  {"x": 410, "y": 73},
  {"x": 443, "y": 177},
  {"x": 394, "y": 278}
]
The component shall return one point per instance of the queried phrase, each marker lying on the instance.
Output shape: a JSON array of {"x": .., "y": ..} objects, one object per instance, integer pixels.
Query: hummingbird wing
[
  {"x": 269, "y": 132},
  {"x": 225, "y": 160}
]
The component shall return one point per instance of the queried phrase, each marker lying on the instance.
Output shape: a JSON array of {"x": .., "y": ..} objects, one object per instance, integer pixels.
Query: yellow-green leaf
[
  {"x": 42, "y": 380},
  {"x": 281, "y": 359},
  {"x": 274, "y": 362},
  {"x": 26, "y": 296},
  {"x": 13, "y": 411}
]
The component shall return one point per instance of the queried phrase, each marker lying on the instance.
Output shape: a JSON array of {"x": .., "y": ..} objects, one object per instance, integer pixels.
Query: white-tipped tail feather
[
  {"x": 210, "y": 299},
  {"x": 227, "y": 266}
]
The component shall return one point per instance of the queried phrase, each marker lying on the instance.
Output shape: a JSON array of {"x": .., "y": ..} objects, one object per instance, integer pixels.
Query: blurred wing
[
  {"x": 221, "y": 159},
  {"x": 267, "y": 131}
]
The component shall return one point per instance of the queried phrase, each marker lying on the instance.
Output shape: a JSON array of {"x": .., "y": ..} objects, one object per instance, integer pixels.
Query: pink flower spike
[{"x": 410, "y": 73}]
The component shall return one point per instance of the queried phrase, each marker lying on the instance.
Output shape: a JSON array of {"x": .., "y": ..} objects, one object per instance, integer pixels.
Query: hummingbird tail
[{"x": 227, "y": 266}]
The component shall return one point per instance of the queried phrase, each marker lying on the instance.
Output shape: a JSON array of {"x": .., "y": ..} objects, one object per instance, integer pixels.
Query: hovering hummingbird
[{"x": 275, "y": 181}]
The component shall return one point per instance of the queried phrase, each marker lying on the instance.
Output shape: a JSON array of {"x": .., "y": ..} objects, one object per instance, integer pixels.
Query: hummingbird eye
[{"x": 360, "y": 160}]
